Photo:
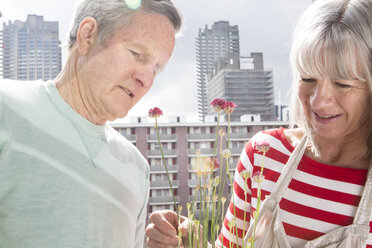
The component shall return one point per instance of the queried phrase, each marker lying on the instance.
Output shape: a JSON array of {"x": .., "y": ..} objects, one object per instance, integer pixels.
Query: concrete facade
[
  {"x": 251, "y": 89},
  {"x": 31, "y": 49},
  {"x": 180, "y": 143},
  {"x": 221, "y": 40}
]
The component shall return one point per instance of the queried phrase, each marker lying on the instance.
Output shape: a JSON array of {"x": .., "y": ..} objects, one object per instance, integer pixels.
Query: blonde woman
[{"x": 317, "y": 185}]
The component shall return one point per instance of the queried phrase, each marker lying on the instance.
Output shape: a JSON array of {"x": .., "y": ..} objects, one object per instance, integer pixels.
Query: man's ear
[{"x": 87, "y": 34}]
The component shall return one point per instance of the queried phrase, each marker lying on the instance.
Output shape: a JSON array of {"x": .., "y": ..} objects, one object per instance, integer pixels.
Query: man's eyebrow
[
  {"x": 139, "y": 46},
  {"x": 144, "y": 50}
]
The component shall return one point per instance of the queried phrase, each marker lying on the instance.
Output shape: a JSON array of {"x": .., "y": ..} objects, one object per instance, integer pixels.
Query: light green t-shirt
[{"x": 65, "y": 182}]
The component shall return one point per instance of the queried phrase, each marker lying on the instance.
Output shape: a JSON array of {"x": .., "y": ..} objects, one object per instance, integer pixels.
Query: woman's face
[{"x": 336, "y": 109}]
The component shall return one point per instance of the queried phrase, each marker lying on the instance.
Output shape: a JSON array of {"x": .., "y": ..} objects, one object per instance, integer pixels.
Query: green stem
[
  {"x": 166, "y": 169},
  {"x": 228, "y": 171},
  {"x": 213, "y": 231},
  {"x": 245, "y": 200},
  {"x": 233, "y": 198},
  {"x": 215, "y": 140},
  {"x": 258, "y": 201},
  {"x": 228, "y": 131}
]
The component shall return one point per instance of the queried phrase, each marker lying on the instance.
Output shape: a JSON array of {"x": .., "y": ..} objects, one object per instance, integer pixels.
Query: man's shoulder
[
  {"x": 127, "y": 148},
  {"x": 19, "y": 90},
  {"x": 120, "y": 139}
]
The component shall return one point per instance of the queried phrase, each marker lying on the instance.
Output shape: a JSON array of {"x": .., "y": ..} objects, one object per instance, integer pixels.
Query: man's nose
[{"x": 145, "y": 76}]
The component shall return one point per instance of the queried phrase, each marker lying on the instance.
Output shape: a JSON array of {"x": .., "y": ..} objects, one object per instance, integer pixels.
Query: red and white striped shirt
[{"x": 320, "y": 198}]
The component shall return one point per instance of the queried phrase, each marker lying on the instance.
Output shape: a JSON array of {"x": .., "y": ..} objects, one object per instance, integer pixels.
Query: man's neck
[{"x": 74, "y": 95}]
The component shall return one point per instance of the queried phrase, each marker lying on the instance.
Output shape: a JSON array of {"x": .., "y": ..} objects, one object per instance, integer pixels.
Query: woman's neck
[{"x": 353, "y": 153}]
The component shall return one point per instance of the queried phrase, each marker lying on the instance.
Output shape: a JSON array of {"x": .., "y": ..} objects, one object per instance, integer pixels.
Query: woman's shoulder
[
  {"x": 283, "y": 134},
  {"x": 294, "y": 135},
  {"x": 281, "y": 139}
]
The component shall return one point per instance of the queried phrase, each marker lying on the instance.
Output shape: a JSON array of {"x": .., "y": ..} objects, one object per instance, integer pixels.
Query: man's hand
[
  {"x": 163, "y": 229},
  {"x": 162, "y": 232}
]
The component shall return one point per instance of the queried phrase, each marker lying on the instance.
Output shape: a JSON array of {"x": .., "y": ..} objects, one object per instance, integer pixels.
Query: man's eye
[{"x": 135, "y": 54}]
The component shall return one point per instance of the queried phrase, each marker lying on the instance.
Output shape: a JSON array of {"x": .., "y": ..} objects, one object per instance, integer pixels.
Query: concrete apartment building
[
  {"x": 1, "y": 53},
  {"x": 180, "y": 142},
  {"x": 244, "y": 81},
  {"x": 220, "y": 40},
  {"x": 31, "y": 49}
]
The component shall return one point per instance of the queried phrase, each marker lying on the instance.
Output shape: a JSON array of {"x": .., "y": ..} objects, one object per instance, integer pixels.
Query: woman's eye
[
  {"x": 308, "y": 80},
  {"x": 341, "y": 85}
]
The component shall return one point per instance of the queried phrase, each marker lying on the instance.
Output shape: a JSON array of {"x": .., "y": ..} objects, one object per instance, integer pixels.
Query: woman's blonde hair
[{"x": 332, "y": 39}]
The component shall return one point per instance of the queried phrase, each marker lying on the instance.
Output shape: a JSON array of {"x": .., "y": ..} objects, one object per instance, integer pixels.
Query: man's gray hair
[
  {"x": 332, "y": 39},
  {"x": 111, "y": 15}
]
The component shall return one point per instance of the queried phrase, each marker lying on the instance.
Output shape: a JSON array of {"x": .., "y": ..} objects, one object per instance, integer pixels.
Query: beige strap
[
  {"x": 289, "y": 170},
  {"x": 363, "y": 214}
]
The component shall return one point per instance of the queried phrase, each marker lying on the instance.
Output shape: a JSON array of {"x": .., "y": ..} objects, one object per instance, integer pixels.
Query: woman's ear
[{"x": 86, "y": 35}]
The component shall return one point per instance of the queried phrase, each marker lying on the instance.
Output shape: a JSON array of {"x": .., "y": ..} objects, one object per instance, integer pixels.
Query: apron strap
[
  {"x": 289, "y": 170},
  {"x": 364, "y": 211}
]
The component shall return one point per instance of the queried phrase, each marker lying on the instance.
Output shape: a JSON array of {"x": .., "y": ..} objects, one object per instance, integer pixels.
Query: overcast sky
[{"x": 264, "y": 26}]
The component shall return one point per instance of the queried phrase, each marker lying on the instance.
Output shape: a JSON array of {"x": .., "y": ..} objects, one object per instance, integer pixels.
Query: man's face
[{"x": 116, "y": 76}]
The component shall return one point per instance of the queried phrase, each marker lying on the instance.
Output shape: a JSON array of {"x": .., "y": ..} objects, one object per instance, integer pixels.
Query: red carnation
[
  {"x": 230, "y": 107},
  {"x": 216, "y": 164},
  {"x": 155, "y": 112},
  {"x": 218, "y": 104}
]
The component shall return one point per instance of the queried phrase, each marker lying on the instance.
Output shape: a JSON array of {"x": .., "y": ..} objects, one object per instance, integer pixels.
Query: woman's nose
[{"x": 322, "y": 94}]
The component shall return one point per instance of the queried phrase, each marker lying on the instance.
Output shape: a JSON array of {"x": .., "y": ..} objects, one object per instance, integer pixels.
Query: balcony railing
[
  {"x": 193, "y": 182},
  {"x": 163, "y": 184},
  {"x": 161, "y": 168},
  {"x": 201, "y": 136},
  {"x": 236, "y": 151},
  {"x": 162, "y": 200},
  {"x": 203, "y": 151},
  {"x": 163, "y": 137},
  {"x": 191, "y": 169},
  {"x": 197, "y": 214},
  {"x": 157, "y": 153},
  {"x": 130, "y": 137},
  {"x": 241, "y": 136}
]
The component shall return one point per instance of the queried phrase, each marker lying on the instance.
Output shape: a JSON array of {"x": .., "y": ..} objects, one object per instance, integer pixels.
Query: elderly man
[{"x": 67, "y": 179}]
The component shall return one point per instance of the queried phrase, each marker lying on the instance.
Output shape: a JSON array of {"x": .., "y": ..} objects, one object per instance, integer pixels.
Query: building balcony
[
  {"x": 163, "y": 184},
  {"x": 163, "y": 137},
  {"x": 236, "y": 151},
  {"x": 203, "y": 152},
  {"x": 161, "y": 169},
  {"x": 192, "y": 170},
  {"x": 132, "y": 138},
  {"x": 201, "y": 137},
  {"x": 197, "y": 214},
  {"x": 157, "y": 153},
  {"x": 162, "y": 200},
  {"x": 193, "y": 182},
  {"x": 241, "y": 136}
]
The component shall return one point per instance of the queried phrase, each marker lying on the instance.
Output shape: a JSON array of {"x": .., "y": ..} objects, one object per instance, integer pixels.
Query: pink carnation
[
  {"x": 230, "y": 107},
  {"x": 258, "y": 177},
  {"x": 155, "y": 112},
  {"x": 218, "y": 104},
  {"x": 262, "y": 146},
  {"x": 216, "y": 164}
]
